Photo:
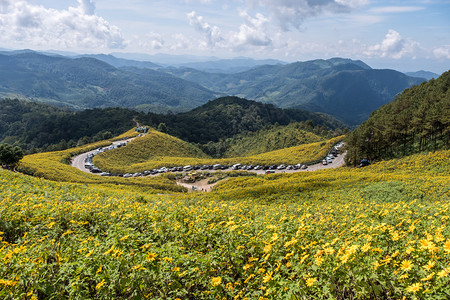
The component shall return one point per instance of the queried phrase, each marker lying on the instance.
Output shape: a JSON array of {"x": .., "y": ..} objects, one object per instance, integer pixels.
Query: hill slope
[
  {"x": 225, "y": 117},
  {"x": 154, "y": 146},
  {"x": 341, "y": 234},
  {"x": 417, "y": 120},
  {"x": 43, "y": 127},
  {"x": 87, "y": 83},
  {"x": 349, "y": 90},
  {"x": 270, "y": 138}
]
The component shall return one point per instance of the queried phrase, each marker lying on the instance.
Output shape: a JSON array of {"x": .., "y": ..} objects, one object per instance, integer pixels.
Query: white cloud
[
  {"x": 393, "y": 46},
  {"x": 291, "y": 14},
  {"x": 211, "y": 34},
  {"x": 27, "y": 25},
  {"x": 396, "y": 9},
  {"x": 151, "y": 41},
  {"x": 442, "y": 52},
  {"x": 252, "y": 33}
]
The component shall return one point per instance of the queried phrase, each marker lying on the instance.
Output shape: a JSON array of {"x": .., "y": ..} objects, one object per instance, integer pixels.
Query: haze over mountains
[{"x": 347, "y": 89}]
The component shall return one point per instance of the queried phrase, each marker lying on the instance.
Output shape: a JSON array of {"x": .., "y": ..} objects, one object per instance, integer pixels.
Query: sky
[{"x": 403, "y": 35}]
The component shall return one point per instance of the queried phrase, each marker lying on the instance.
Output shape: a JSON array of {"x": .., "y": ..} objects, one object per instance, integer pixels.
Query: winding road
[{"x": 79, "y": 163}]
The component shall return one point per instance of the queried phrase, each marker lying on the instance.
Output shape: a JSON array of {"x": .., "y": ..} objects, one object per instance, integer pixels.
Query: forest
[
  {"x": 40, "y": 127},
  {"x": 417, "y": 120}
]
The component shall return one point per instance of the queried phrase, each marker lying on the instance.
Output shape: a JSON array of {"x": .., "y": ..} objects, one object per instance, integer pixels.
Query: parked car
[
  {"x": 324, "y": 162},
  {"x": 236, "y": 167},
  {"x": 304, "y": 167},
  {"x": 95, "y": 170},
  {"x": 364, "y": 163},
  {"x": 329, "y": 160},
  {"x": 281, "y": 167},
  {"x": 270, "y": 171},
  {"x": 187, "y": 168}
]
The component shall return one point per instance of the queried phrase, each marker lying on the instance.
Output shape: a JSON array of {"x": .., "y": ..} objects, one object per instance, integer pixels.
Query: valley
[{"x": 372, "y": 224}]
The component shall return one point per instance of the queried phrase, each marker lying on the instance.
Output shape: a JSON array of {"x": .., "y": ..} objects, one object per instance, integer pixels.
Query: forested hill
[
  {"x": 417, "y": 120},
  {"x": 89, "y": 83},
  {"x": 44, "y": 127},
  {"x": 346, "y": 89},
  {"x": 227, "y": 116}
]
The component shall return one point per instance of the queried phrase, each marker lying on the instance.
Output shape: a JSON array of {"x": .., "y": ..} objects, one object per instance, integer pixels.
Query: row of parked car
[
  {"x": 268, "y": 168},
  {"x": 189, "y": 168},
  {"x": 88, "y": 164},
  {"x": 333, "y": 154}
]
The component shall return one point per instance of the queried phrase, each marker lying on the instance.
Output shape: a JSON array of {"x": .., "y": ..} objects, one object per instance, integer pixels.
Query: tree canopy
[
  {"x": 417, "y": 120},
  {"x": 10, "y": 155}
]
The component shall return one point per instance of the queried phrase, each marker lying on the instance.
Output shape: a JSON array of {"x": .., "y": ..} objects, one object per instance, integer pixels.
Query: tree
[
  {"x": 162, "y": 127},
  {"x": 10, "y": 155}
]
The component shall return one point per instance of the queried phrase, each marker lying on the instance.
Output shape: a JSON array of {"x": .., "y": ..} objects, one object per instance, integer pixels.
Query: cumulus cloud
[
  {"x": 393, "y": 46},
  {"x": 211, "y": 34},
  {"x": 151, "y": 41},
  {"x": 442, "y": 52},
  {"x": 26, "y": 24},
  {"x": 292, "y": 13},
  {"x": 252, "y": 32}
]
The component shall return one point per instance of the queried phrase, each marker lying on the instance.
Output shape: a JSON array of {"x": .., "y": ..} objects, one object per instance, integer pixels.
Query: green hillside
[
  {"x": 227, "y": 116},
  {"x": 88, "y": 83},
  {"x": 41, "y": 127},
  {"x": 346, "y": 89},
  {"x": 417, "y": 120},
  {"x": 154, "y": 146},
  {"x": 270, "y": 138}
]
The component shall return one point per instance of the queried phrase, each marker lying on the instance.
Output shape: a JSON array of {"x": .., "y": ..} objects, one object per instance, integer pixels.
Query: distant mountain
[
  {"x": 423, "y": 74},
  {"x": 88, "y": 82},
  {"x": 347, "y": 89},
  {"x": 121, "y": 62},
  {"x": 230, "y": 66}
]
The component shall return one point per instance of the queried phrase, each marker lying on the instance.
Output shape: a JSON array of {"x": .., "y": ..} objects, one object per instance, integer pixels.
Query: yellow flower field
[{"x": 377, "y": 232}]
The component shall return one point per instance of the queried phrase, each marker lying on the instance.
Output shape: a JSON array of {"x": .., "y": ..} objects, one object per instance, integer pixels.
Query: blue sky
[{"x": 403, "y": 35}]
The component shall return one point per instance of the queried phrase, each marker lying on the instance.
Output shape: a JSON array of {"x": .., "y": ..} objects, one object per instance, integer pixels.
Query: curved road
[{"x": 78, "y": 162}]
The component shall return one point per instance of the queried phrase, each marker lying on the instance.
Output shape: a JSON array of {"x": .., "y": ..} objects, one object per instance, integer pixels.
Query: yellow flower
[
  {"x": 429, "y": 265},
  {"x": 365, "y": 248},
  {"x": 215, "y": 281},
  {"x": 267, "y": 248},
  {"x": 311, "y": 281},
  {"x": 151, "y": 256},
  {"x": 267, "y": 277},
  {"x": 406, "y": 265},
  {"x": 90, "y": 253},
  {"x": 100, "y": 284},
  {"x": 444, "y": 273},
  {"x": 447, "y": 246},
  {"x": 414, "y": 288},
  {"x": 99, "y": 269},
  {"x": 247, "y": 266},
  {"x": 429, "y": 277}
]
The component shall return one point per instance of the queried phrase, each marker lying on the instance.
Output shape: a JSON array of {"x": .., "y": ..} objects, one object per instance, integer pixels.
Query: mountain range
[
  {"x": 86, "y": 82},
  {"x": 347, "y": 89}
]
